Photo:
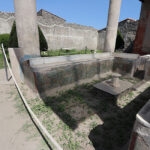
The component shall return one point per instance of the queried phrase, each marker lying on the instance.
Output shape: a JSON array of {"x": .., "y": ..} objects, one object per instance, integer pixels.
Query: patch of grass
[
  {"x": 93, "y": 125},
  {"x": 61, "y": 52},
  {"x": 26, "y": 127},
  {"x": 19, "y": 104},
  {"x": 73, "y": 145},
  {"x": 39, "y": 109},
  {"x": 77, "y": 107},
  {"x": 130, "y": 94},
  {"x": 1, "y": 60}
]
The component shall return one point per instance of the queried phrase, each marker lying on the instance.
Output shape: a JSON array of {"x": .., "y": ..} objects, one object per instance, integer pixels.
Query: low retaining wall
[{"x": 52, "y": 74}]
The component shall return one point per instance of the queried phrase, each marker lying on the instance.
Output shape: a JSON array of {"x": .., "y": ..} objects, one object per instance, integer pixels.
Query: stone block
[{"x": 147, "y": 70}]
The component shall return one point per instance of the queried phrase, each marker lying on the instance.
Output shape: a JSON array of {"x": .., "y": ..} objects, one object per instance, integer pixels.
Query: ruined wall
[
  {"x": 6, "y": 22},
  {"x": 69, "y": 36},
  {"x": 48, "y": 18},
  {"x": 58, "y": 33},
  {"x": 4, "y": 26},
  {"x": 128, "y": 30},
  {"x": 101, "y": 39}
]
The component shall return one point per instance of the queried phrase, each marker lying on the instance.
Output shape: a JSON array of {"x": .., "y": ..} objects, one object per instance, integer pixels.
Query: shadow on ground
[
  {"x": 74, "y": 106},
  {"x": 118, "y": 124}
]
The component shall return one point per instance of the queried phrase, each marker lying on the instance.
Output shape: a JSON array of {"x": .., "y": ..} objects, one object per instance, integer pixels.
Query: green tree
[
  {"x": 119, "y": 41},
  {"x": 4, "y": 38},
  {"x": 43, "y": 42},
  {"x": 13, "y": 40}
]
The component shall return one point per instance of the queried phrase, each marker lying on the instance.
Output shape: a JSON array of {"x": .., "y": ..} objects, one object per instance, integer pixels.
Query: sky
[{"x": 85, "y": 12}]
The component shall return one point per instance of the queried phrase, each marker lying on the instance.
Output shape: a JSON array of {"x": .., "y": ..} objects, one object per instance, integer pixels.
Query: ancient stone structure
[
  {"x": 47, "y": 18},
  {"x": 127, "y": 27},
  {"x": 48, "y": 75},
  {"x": 27, "y": 29},
  {"x": 142, "y": 44},
  {"x": 140, "y": 139},
  {"x": 6, "y": 21},
  {"x": 112, "y": 25},
  {"x": 48, "y": 78},
  {"x": 58, "y": 33}
]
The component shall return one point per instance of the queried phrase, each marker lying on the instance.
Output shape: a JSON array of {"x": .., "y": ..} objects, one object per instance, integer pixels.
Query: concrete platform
[{"x": 115, "y": 91}]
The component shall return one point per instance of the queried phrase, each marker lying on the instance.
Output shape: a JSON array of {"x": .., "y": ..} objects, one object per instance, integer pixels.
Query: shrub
[
  {"x": 43, "y": 42},
  {"x": 13, "y": 40},
  {"x": 4, "y": 38},
  {"x": 119, "y": 41}
]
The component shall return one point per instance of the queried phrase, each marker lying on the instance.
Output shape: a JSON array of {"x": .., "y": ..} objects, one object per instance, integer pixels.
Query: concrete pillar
[
  {"x": 112, "y": 25},
  {"x": 140, "y": 139},
  {"x": 142, "y": 44},
  {"x": 27, "y": 30}
]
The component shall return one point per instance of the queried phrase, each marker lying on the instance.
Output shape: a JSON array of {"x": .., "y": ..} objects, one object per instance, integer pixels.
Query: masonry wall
[
  {"x": 58, "y": 33},
  {"x": 67, "y": 36},
  {"x": 128, "y": 30},
  {"x": 101, "y": 39},
  {"x": 47, "y": 18},
  {"x": 6, "y": 20},
  {"x": 4, "y": 26}
]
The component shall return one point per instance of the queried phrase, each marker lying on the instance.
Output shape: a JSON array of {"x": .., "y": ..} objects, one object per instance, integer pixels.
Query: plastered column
[
  {"x": 142, "y": 44},
  {"x": 140, "y": 139},
  {"x": 112, "y": 25},
  {"x": 27, "y": 30}
]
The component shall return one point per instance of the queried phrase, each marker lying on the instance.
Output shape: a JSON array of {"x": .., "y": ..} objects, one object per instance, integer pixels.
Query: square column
[
  {"x": 112, "y": 25},
  {"x": 27, "y": 29},
  {"x": 142, "y": 44}
]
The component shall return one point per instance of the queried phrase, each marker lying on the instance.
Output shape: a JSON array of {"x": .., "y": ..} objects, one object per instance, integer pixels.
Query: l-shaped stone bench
[{"x": 51, "y": 74}]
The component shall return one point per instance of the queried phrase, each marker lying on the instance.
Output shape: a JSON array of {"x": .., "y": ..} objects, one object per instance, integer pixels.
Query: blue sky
[{"x": 86, "y": 12}]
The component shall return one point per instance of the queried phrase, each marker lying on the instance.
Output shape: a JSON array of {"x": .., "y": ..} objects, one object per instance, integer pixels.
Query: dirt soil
[
  {"x": 83, "y": 118},
  {"x": 17, "y": 131}
]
